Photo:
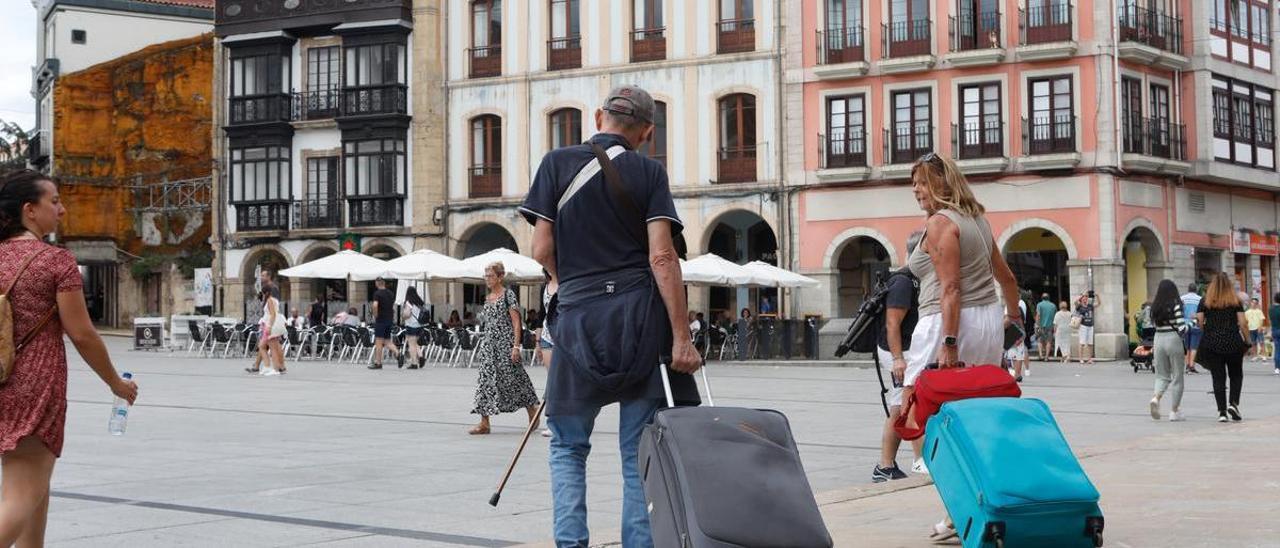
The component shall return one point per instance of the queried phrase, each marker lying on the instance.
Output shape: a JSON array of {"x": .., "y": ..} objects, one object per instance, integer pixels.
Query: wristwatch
[{"x": 949, "y": 340}]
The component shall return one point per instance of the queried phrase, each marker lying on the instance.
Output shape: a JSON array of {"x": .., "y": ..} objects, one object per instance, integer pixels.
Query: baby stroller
[{"x": 1142, "y": 357}]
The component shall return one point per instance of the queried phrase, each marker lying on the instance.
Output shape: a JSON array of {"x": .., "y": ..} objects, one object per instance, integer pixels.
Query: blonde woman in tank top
[{"x": 961, "y": 318}]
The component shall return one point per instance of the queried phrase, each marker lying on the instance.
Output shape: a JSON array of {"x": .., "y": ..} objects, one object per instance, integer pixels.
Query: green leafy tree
[{"x": 13, "y": 146}]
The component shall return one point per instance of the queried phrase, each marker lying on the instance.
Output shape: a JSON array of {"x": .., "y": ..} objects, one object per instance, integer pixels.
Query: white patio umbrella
[
  {"x": 781, "y": 277},
  {"x": 518, "y": 267},
  {"x": 424, "y": 264},
  {"x": 343, "y": 265},
  {"x": 711, "y": 269}
]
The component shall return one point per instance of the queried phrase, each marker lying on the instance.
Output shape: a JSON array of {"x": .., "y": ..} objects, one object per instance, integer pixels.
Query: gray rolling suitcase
[{"x": 720, "y": 477}]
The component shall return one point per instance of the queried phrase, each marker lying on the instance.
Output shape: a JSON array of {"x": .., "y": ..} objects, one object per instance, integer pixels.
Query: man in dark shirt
[
  {"x": 384, "y": 308},
  {"x": 892, "y": 343},
  {"x": 621, "y": 304}
]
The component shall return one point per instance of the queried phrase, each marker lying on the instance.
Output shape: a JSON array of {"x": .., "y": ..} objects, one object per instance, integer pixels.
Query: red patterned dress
[{"x": 33, "y": 402}]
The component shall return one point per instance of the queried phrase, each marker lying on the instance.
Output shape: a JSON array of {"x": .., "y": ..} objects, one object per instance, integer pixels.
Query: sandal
[
  {"x": 478, "y": 430},
  {"x": 252, "y": 369},
  {"x": 941, "y": 532}
]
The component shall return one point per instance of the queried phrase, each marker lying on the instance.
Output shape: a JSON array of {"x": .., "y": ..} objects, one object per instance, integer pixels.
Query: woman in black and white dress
[{"x": 503, "y": 385}]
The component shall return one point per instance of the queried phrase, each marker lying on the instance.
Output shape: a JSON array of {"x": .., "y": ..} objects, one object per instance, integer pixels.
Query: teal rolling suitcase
[{"x": 1008, "y": 477}]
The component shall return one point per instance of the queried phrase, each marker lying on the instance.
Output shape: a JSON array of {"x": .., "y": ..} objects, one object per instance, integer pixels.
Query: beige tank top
[{"x": 977, "y": 280}]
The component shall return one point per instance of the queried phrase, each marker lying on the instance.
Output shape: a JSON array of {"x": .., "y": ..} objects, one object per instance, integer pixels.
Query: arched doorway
[
  {"x": 1142, "y": 255},
  {"x": 1038, "y": 259},
  {"x": 861, "y": 261},
  {"x": 742, "y": 237},
  {"x": 269, "y": 260},
  {"x": 483, "y": 239}
]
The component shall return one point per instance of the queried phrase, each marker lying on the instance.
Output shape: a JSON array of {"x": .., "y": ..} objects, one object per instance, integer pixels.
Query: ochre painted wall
[{"x": 144, "y": 116}]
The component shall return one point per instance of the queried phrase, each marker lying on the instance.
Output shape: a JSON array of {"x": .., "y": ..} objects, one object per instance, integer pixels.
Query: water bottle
[{"x": 119, "y": 413}]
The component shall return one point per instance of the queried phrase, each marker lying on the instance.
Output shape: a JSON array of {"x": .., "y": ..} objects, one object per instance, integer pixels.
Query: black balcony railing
[
  {"x": 262, "y": 215},
  {"x": 564, "y": 53},
  {"x": 387, "y": 210},
  {"x": 975, "y": 31},
  {"x": 1155, "y": 137},
  {"x": 1045, "y": 23},
  {"x": 317, "y": 105},
  {"x": 906, "y": 144},
  {"x": 38, "y": 147},
  {"x": 486, "y": 181},
  {"x": 1048, "y": 135},
  {"x": 1152, "y": 28},
  {"x": 837, "y": 46},
  {"x": 317, "y": 213},
  {"x": 258, "y": 109},
  {"x": 736, "y": 36},
  {"x": 906, "y": 38},
  {"x": 845, "y": 147},
  {"x": 485, "y": 62},
  {"x": 372, "y": 100},
  {"x": 737, "y": 164},
  {"x": 648, "y": 45},
  {"x": 978, "y": 140}
]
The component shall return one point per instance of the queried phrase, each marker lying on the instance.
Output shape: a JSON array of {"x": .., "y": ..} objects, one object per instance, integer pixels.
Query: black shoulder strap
[{"x": 636, "y": 224}]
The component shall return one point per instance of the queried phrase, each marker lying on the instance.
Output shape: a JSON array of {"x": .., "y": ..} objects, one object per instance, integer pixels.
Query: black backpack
[
  {"x": 866, "y": 341},
  {"x": 424, "y": 315}
]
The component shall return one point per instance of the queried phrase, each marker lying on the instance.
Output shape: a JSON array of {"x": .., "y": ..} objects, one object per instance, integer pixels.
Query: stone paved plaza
[{"x": 339, "y": 455}]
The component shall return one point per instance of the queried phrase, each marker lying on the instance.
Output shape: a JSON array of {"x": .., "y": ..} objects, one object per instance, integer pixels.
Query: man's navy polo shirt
[
  {"x": 593, "y": 243},
  {"x": 591, "y": 237}
]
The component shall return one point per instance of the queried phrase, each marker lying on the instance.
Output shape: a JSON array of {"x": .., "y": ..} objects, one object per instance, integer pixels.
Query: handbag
[
  {"x": 1075, "y": 322},
  {"x": 935, "y": 387},
  {"x": 278, "y": 327}
]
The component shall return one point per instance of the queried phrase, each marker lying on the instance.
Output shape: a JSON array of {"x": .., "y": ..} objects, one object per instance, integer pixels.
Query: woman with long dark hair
[
  {"x": 1166, "y": 316},
  {"x": 412, "y": 326},
  {"x": 1226, "y": 339},
  {"x": 47, "y": 298}
]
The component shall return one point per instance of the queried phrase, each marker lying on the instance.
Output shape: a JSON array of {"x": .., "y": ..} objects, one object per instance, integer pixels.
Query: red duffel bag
[{"x": 935, "y": 387}]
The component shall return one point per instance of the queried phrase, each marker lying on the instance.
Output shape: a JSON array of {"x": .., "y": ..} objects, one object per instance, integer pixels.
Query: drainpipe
[{"x": 1115, "y": 85}]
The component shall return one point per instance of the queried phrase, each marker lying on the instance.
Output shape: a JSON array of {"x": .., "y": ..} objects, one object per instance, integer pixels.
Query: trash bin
[
  {"x": 768, "y": 331},
  {"x": 811, "y": 337}
]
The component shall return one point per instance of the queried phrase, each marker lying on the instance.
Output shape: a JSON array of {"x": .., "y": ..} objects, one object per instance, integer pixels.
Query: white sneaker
[
  {"x": 1177, "y": 416},
  {"x": 1155, "y": 409},
  {"x": 1027, "y": 372},
  {"x": 918, "y": 467},
  {"x": 270, "y": 373},
  {"x": 546, "y": 432},
  {"x": 1277, "y": 372}
]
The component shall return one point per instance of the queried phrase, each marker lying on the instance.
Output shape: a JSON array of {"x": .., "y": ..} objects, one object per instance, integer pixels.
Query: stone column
[
  {"x": 819, "y": 300},
  {"x": 1182, "y": 259},
  {"x": 1110, "y": 341}
]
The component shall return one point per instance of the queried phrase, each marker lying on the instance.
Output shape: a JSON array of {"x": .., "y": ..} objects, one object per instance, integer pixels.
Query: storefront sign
[{"x": 1254, "y": 244}]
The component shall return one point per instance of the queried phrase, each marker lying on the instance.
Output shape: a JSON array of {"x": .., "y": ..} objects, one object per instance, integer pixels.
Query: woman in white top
[
  {"x": 273, "y": 331},
  {"x": 411, "y": 312},
  {"x": 1062, "y": 331}
]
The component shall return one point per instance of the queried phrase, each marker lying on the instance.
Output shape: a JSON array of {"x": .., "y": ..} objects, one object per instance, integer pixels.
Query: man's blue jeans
[{"x": 570, "y": 445}]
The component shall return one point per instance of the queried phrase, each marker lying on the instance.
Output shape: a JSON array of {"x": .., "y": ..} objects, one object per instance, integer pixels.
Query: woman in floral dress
[
  {"x": 503, "y": 386},
  {"x": 47, "y": 299}
]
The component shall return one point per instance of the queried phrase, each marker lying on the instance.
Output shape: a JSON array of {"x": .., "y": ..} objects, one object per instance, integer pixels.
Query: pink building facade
[{"x": 1113, "y": 143}]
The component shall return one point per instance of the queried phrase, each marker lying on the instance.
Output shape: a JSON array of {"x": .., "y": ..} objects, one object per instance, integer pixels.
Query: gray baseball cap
[{"x": 630, "y": 100}]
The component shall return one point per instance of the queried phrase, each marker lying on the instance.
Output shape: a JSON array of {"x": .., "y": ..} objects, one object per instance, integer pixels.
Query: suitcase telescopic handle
[{"x": 666, "y": 384}]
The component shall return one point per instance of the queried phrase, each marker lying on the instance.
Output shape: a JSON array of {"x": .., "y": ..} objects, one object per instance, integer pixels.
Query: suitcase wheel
[
  {"x": 995, "y": 533},
  {"x": 1093, "y": 529}
]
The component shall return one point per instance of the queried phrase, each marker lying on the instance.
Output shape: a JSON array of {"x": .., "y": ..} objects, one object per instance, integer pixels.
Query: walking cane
[{"x": 493, "y": 501}]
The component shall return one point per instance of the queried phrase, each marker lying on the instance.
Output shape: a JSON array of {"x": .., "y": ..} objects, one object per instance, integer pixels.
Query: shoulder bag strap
[
  {"x": 636, "y": 224},
  {"x": 47, "y": 316}
]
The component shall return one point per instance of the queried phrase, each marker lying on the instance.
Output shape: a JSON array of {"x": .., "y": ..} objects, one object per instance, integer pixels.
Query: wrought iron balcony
[
  {"x": 373, "y": 100},
  {"x": 486, "y": 181},
  {"x": 38, "y": 147},
  {"x": 1046, "y": 135},
  {"x": 907, "y": 38},
  {"x": 974, "y": 31},
  {"x": 317, "y": 104},
  {"x": 648, "y": 45},
  {"x": 736, "y": 36},
  {"x": 564, "y": 53},
  {"x": 1045, "y": 23},
  {"x": 978, "y": 140},
  {"x": 385, "y": 210},
  {"x": 1152, "y": 28},
  {"x": 837, "y": 46},
  {"x": 737, "y": 164},
  {"x": 322, "y": 213},
  {"x": 485, "y": 61},
  {"x": 262, "y": 215},
  {"x": 1156, "y": 137},
  {"x": 905, "y": 145},
  {"x": 846, "y": 147},
  {"x": 259, "y": 109}
]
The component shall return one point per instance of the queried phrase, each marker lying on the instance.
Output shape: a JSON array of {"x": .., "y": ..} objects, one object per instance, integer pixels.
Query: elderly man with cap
[{"x": 604, "y": 221}]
